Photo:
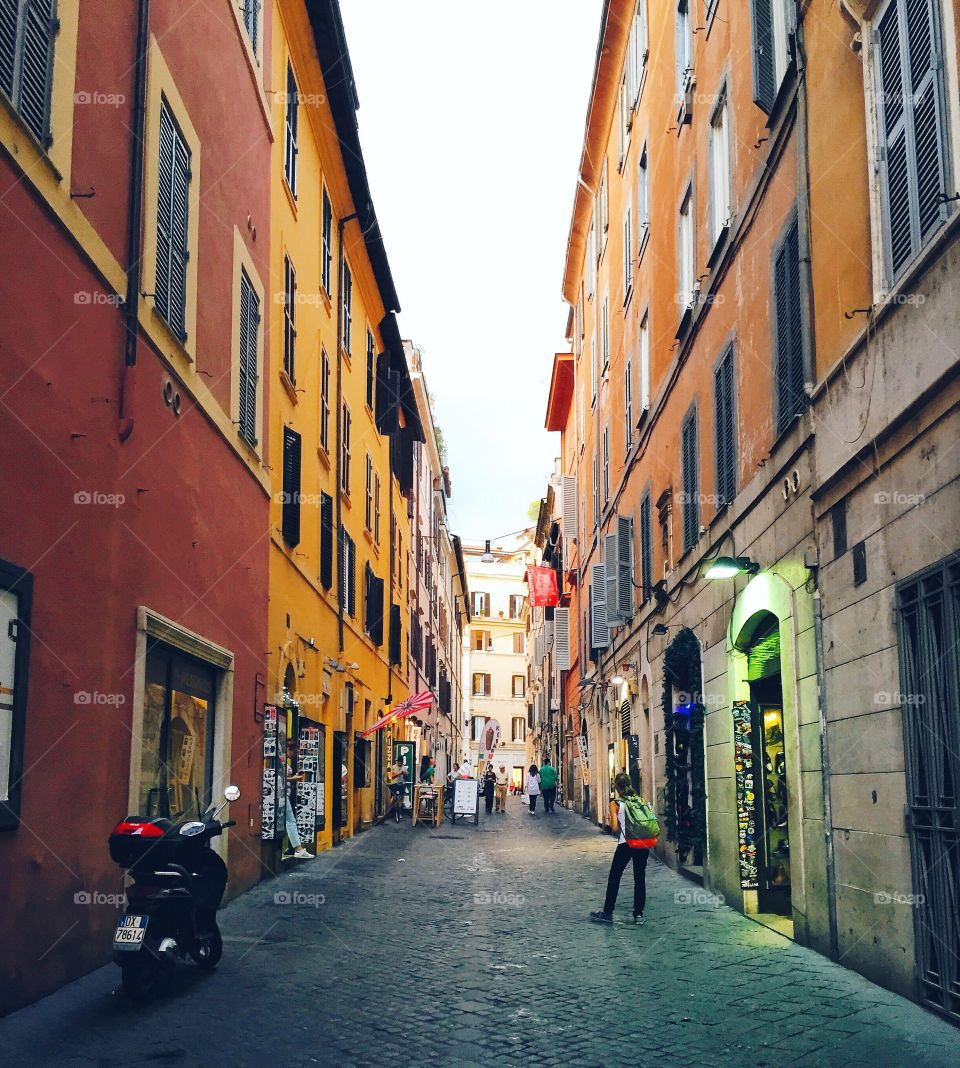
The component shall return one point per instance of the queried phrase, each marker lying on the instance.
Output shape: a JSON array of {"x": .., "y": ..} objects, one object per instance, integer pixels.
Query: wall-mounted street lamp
[{"x": 724, "y": 567}]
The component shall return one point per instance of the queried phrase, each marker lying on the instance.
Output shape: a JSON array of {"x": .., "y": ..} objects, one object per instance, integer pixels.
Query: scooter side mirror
[{"x": 232, "y": 793}]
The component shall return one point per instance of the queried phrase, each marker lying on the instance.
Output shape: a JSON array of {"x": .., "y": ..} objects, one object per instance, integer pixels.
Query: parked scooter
[{"x": 178, "y": 882}]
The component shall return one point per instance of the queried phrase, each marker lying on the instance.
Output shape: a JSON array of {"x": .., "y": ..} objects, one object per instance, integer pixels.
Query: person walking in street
[
  {"x": 638, "y": 835},
  {"x": 489, "y": 784},
  {"x": 548, "y": 785},
  {"x": 501, "y": 788},
  {"x": 533, "y": 788}
]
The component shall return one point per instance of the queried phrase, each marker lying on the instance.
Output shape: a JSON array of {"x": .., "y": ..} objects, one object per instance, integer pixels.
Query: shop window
[
  {"x": 176, "y": 749},
  {"x": 16, "y": 596}
]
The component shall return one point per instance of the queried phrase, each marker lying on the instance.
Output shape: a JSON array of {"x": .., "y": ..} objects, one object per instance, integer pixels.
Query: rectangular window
[
  {"x": 291, "y": 120},
  {"x": 684, "y": 46},
  {"x": 345, "y": 450},
  {"x": 790, "y": 396},
  {"x": 605, "y": 335},
  {"x": 348, "y": 573},
  {"x": 646, "y": 546},
  {"x": 371, "y": 369},
  {"x": 176, "y": 747},
  {"x": 482, "y": 641},
  {"x": 594, "y": 366},
  {"x": 324, "y": 400},
  {"x": 627, "y": 255},
  {"x": 373, "y": 605},
  {"x": 480, "y": 604},
  {"x": 173, "y": 199},
  {"x": 16, "y": 596},
  {"x": 481, "y": 684},
  {"x": 627, "y": 406},
  {"x": 326, "y": 540},
  {"x": 396, "y": 635},
  {"x": 326, "y": 243},
  {"x": 347, "y": 308},
  {"x": 368, "y": 494},
  {"x": 519, "y": 687},
  {"x": 516, "y": 605},
  {"x": 606, "y": 464},
  {"x": 644, "y": 346},
  {"x": 28, "y": 29},
  {"x": 249, "y": 362},
  {"x": 596, "y": 488},
  {"x": 725, "y": 429},
  {"x": 912, "y": 128},
  {"x": 690, "y": 460},
  {"x": 770, "y": 25},
  {"x": 592, "y": 261},
  {"x": 478, "y": 723},
  {"x": 643, "y": 198},
  {"x": 519, "y": 726},
  {"x": 251, "y": 20},
  {"x": 519, "y": 643},
  {"x": 720, "y": 178},
  {"x": 290, "y": 518},
  {"x": 639, "y": 50},
  {"x": 376, "y": 509},
  {"x": 623, "y": 120},
  {"x": 686, "y": 265},
  {"x": 604, "y": 205},
  {"x": 289, "y": 319}
]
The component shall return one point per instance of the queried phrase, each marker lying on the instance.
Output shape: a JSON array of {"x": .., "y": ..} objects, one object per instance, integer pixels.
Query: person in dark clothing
[
  {"x": 623, "y": 855},
  {"x": 489, "y": 784}
]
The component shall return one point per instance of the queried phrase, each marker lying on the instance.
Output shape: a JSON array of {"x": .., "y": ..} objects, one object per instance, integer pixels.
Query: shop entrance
[
  {"x": 769, "y": 768},
  {"x": 340, "y": 776}
]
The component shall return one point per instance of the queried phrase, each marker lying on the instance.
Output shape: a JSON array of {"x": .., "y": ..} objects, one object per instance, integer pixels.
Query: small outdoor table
[{"x": 427, "y": 804}]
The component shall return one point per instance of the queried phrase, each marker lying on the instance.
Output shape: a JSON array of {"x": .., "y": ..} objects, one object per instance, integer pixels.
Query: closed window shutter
[
  {"x": 9, "y": 17},
  {"x": 646, "y": 546},
  {"x": 625, "y": 567},
  {"x": 569, "y": 483},
  {"x": 561, "y": 639},
  {"x": 290, "y": 524},
  {"x": 764, "y": 61},
  {"x": 249, "y": 332},
  {"x": 912, "y": 131},
  {"x": 351, "y": 577},
  {"x": 790, "y": 395},
  {"x": 26, "y": 66},
  {"x": 326, "y": 540},
  {"x": 599, "y": 629},
  {"x": 292, "y": 121},
  {"x": 725, "y": 431},
  {"x": 173, "y": 196},
  {"x": 396, "y": 642},
  {"x": 251, "y": 19},
  {"x": 691, "y": 481},
  {"x": 610, "y": 579}
]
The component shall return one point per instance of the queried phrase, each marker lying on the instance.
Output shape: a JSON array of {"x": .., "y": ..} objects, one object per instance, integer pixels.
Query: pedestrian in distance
[
  {"x": 533, "y": 788},
  {"x": 297, "y": 849},
  {"x": 500, "y": 790},
  {"x": 548, "y": 785},
  {"x": 489, "y": 785},
  {"x": 639, "y": 830}
]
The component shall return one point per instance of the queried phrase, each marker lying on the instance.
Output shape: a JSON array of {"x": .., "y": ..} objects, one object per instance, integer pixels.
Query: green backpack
[{"x": 640, "y": 821}]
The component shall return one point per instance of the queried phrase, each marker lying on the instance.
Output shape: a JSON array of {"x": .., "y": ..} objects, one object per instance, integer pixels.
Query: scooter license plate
[{"x": 130, "y": 932}]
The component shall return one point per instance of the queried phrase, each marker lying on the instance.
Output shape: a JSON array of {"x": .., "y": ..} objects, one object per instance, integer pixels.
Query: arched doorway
[
  {"x": 683, "y": 712},
  {"x": 761, "y": 758}
]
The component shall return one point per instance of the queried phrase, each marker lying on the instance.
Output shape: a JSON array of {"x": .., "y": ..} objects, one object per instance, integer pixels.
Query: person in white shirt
[
  {"x": 533, "y": 788},
  {"x": 501, "y": 788}
]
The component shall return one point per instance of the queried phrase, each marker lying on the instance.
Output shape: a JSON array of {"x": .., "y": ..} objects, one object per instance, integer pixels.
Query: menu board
[
  {"x": 746, "y": 793},
  {"x": 466, "y": 797}
]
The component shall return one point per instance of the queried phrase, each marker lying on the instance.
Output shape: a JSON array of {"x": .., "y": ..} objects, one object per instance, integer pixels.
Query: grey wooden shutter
[
  {"x": 326, "y": 540},
  {"x": 610, "y": 580},
  {"x": 249, "y": 332},
  {"x": 351, "y": 577},
  {"x": 251, "y": 19},
  {"x": 292, "y": 122},
  {"x": 646, "y": 546},
  {"x": 789, "y": 374},
  {"x": 691, "y": 480},
  {"x": 290, "y": 525},
  {"x": 173, "y": 202},
  {"x": 561, "y": 639},
  {"x": 912, "y": 134},
  {"x": 599, "y": 629},
  {"x": 725, "y": 430},
  {"x": 569, "y": 520},
  {"x": 27, "y": 32},
  {"x": 764, "y": 60},
  {"x": 625, "y": 567}
]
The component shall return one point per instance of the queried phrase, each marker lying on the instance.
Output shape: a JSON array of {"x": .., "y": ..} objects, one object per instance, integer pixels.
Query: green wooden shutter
[
  {"x": 326, "y": 540},
  {"x": 764, "y": 61},
  {"x": 725, "y": 430},
  {"x": 646, "y": 546},
  {"x": 789, "y": 373},
  {"x": 290, "y": 521},
  {"x": 912, "y": 132},
  {"x": 691, "y": 480},
  {"x": 249, "y": 332}
]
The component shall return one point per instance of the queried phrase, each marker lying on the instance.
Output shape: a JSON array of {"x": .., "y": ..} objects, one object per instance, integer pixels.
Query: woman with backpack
[{"x": 639, "y": 830}]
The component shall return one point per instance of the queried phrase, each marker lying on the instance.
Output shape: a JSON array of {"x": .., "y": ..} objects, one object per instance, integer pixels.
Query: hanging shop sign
[
  {"x": 274, "y": 781},
  {"x": 746, "y": 793},
  {"x": 543, "y": 587}
]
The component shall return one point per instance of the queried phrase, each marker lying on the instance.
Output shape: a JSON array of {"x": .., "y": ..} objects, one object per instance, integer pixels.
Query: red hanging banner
[{"x": 543, "y": 587}]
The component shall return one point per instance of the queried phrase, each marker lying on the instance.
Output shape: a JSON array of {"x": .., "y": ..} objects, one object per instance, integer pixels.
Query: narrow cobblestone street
[{"x": 334, "y": 964}]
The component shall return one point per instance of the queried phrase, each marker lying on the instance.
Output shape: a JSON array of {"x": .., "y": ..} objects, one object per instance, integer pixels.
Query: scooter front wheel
[{"x": 208, "y": 950}]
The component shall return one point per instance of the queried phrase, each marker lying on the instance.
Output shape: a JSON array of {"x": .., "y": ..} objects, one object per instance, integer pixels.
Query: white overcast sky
[{"x": 471, "y": 120}]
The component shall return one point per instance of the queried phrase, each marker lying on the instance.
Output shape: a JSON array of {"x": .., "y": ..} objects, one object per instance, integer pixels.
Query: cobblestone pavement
[{"x": 468, "y": 945}]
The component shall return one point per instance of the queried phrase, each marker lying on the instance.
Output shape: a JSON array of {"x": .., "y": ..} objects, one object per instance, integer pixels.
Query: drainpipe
[
  {"x": 806, "y": 284},
  {"x": 131, "y": 307},
  {"x": 341, "y": 592}
]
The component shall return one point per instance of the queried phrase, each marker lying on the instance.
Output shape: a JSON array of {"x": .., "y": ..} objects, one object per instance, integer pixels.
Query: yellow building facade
[{"x": 340, "y": 437}]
